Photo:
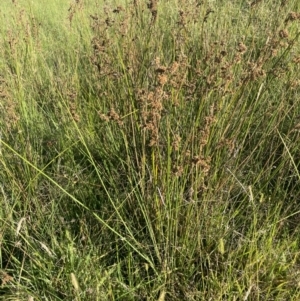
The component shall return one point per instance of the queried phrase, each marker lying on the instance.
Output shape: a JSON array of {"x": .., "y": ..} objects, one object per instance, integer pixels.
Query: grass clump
[{"x": 149, "y": 151}]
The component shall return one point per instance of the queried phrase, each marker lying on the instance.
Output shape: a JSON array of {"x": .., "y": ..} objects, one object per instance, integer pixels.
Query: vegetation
[{"x": 149, "y": 151}]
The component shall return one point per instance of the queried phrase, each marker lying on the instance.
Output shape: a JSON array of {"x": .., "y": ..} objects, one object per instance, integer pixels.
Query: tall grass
[{"x": 149, "y": 151}]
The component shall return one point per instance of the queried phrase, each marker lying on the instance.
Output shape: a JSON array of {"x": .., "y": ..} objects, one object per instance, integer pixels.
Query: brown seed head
[
  {"x": 283, "y": 34},
  {"x": 242, "y": 48},
  {"x": 162, "y": 79},
  {"x": 292, "y": 16},
  {"x": 160, "y": 69}
]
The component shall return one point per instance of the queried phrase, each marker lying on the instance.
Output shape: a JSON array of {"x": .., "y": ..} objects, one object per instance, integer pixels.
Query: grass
[{"x": 149, "y": 152}]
